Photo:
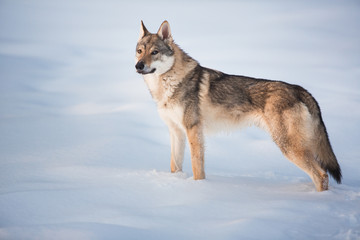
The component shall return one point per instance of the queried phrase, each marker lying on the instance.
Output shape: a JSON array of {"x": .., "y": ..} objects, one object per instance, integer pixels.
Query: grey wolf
[{"x": 192, "y": 99}]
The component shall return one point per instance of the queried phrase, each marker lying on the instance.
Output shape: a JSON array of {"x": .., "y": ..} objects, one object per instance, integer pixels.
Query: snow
[{"x": 84, "y": 154}]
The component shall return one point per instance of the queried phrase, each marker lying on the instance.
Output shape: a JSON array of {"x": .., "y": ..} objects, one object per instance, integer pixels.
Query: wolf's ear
[
  {"x": 143, "y": 30},
  {"x": 164, "y": 31}
]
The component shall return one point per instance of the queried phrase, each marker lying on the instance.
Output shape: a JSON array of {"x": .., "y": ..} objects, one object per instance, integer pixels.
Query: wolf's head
[{"x": 154, "y": 52}]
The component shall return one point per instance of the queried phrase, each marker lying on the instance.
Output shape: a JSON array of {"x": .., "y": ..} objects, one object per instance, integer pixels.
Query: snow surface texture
[{"x": 84, "y": 155}]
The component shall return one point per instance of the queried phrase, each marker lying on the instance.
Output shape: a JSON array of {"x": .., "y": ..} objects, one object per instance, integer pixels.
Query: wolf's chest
[
  {"x": 161, "y": 88},
  {"x": 171, "y": 115}
]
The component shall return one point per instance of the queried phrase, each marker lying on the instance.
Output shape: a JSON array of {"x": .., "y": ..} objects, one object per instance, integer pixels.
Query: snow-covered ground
[{"x": 84, "y": 154}]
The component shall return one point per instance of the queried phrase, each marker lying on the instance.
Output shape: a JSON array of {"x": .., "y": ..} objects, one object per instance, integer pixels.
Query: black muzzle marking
[{"x": 142, "y": 69}]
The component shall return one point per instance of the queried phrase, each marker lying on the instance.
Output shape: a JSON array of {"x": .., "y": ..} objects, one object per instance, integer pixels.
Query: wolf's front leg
[
  {"x": 177, "y": 138},
  {"x": 196, "y": 142}
]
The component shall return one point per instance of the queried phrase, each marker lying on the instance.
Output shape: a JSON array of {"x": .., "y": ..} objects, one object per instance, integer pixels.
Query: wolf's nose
[{"x": 140, "y": 66}]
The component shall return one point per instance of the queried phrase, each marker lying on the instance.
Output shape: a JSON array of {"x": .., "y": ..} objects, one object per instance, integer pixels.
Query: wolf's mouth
[{"x": 146, "y": 72}]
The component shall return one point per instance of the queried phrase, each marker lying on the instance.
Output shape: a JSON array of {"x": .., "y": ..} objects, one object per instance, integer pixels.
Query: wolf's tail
[
  {"x": 323, "y": 150},
  {"x": 326, "y": 156}
]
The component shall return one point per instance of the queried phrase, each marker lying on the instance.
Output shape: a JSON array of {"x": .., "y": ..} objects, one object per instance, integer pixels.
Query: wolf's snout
[
  {"x": 140, "y": 66},
  {"x": 143, "y": 69}
]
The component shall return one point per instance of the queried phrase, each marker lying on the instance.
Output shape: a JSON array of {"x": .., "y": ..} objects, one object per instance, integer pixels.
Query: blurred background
[{"x": 73, "y": 62}]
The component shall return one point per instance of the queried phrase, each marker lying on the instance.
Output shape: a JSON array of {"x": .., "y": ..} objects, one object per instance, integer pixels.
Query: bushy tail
[
  {"x": 324, "y": 152},
  {"x": 326, "y": 156}
]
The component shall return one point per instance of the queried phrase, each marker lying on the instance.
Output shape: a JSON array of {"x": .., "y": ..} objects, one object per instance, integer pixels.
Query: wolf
[{"x": 192, "y": 99}]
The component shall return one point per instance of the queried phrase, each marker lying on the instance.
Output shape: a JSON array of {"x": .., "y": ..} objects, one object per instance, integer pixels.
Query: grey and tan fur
[{"x": 192, "y": 99}]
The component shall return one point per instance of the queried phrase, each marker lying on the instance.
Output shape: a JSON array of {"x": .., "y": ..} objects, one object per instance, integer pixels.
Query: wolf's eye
[
  {"x": 139, "y": 51},
  {"x": 154, "y": 52}
]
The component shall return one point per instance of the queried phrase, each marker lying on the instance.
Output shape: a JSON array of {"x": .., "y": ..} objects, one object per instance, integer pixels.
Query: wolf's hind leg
[
  {"x": 292, "y": 131},
  {"x": 306, "y": 161}
]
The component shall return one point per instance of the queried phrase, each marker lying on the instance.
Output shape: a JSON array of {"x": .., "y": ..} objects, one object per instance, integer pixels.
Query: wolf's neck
[
  {"x": 183, "y": 64},
  {"x": 163, "y": 86}
]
